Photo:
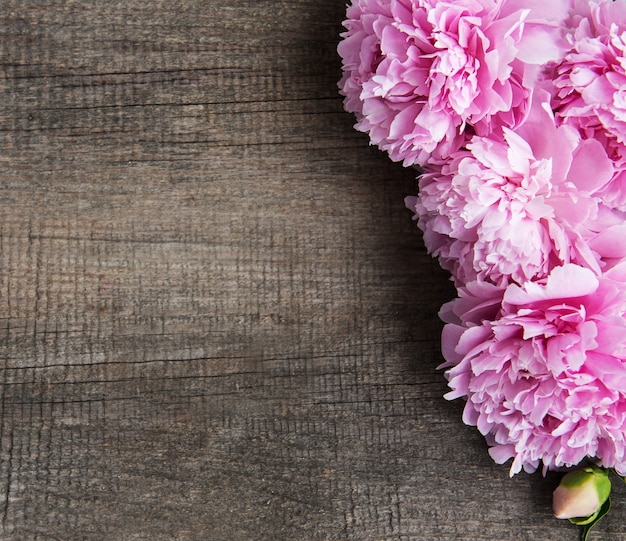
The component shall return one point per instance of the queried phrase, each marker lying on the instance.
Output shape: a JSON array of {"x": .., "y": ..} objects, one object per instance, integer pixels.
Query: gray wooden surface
[{"x": 217, "y": 319}]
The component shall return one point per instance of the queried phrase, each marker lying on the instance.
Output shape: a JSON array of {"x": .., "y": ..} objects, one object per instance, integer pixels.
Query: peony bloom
[
  {"x": 416, "y": 73},
  {"x": 591, "y": 84},
  {"x": 545, "y": 378},
  {"x": 512, "y": 210}
]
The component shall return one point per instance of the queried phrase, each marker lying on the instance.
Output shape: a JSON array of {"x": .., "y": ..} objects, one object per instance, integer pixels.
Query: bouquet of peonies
[{"x": 513, "y": 112}]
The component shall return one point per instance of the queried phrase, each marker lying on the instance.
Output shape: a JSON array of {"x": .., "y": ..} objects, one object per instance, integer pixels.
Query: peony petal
[
  {"x": 610, "y": 243},
  {"x": 591, "y": 168},
  {"x": 538, "y": 46},
  {"x": 564, "y": 282},
  {"x": 450, "y": 338}
]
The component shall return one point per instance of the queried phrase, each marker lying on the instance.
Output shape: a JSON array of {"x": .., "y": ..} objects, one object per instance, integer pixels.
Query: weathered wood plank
[{"x": 217, "y": 319}]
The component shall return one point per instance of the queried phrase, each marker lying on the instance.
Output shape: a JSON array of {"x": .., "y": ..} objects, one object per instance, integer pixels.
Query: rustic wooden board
[{"x": 218, "y": 321}]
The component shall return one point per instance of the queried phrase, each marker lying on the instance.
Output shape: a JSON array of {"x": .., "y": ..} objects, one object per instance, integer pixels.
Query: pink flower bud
[{"x": 581, "y": 493}]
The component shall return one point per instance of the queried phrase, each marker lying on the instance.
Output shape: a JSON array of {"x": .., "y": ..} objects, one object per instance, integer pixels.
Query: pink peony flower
[
  {"x": 545, "y": 379},
  {"x": 417, "y": 72},
  {"x": 512, "y": 210},
  {"x": 591, "y": 84}
]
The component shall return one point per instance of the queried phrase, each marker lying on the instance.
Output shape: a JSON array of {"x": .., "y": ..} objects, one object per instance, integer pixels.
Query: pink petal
[
  {"x": 591, "y": 168},
  {"x": 610, "y": 243},
  {"x": 564, "y": 282}
]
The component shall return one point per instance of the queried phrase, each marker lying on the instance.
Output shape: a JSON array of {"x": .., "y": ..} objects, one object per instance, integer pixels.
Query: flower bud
[{"x": 581, "y": 493}]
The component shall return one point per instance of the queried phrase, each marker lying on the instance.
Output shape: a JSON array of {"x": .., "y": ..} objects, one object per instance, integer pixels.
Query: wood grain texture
[{"x": 217, "y": 320}]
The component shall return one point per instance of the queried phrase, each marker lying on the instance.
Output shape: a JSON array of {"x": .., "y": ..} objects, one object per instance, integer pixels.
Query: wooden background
[{"x": 217, "y": 319}]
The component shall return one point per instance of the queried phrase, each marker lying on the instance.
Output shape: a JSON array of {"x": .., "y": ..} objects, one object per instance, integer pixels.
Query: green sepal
[
  {"x": 589, "y": 524},
  {"x": 579, "y": 477},
  {"x": 582, "y": 521}
]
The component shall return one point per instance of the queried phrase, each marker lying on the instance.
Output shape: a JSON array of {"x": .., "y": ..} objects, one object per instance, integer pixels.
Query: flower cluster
[
  {"x": 513, "y": 112},
  {"x": 423, "y": 75}
]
